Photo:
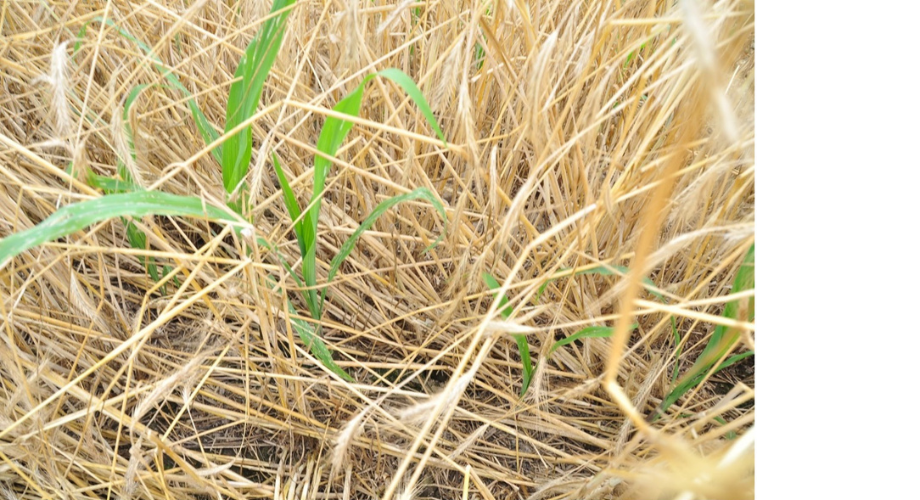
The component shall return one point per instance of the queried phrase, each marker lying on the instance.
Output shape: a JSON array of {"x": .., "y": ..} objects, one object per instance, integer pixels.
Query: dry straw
[{"x": 597, "y": 162}]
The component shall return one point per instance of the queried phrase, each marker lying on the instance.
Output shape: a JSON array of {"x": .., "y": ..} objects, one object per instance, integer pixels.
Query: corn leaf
[
  {"x": 207, "y": 131},
  {"x": 722, "y": 337},
  {"x": 77, "y": 216},
  {"x": 315, "y": 344},
  {"x": 603, "y": 270},
  {"x": 246, "y": 91},
  {"x": 521, "y": 340},
  {"x": 349, "y": 245},
  {"x": 331, "y": 137},
  {"x": 591, "y": 332}
]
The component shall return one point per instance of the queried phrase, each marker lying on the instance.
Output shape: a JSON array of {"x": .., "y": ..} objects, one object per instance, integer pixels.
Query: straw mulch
[{"x": 579, "y": 133}]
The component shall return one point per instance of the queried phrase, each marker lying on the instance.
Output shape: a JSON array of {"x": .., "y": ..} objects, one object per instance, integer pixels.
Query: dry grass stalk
[{"x": 610, "y": 132}]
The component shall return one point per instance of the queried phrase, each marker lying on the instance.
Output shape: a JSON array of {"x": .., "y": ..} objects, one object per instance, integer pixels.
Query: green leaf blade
[
  {"x": 77, "y": 216},
  {"x": 246, "y": 92},
  {"x": 412, "y": 90},
  {"x": 591, "y": 332},
  {"x": 315, "y": 344},
  {"x": 207, "y": 131},
  {"x": 527, "y": 365},
  {"x": 330, "y": 139},
  {"x": 721, "y": 340},
  {"x": 504, "y": 310},
  {"x": 719, "y": 343},
  {"x": 603, "y": 270},
  {"x": 290, "y": 201},
  {"x": 526, "y": 362},
  {"x": 349, "y": 245}
]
